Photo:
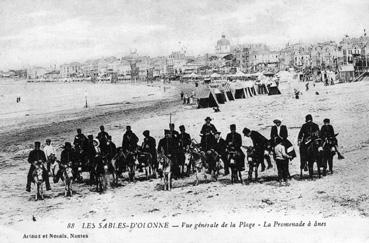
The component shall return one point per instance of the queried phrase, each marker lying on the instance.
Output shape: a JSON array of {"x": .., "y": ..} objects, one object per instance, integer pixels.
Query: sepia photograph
[{"x": 184, "y": 121}]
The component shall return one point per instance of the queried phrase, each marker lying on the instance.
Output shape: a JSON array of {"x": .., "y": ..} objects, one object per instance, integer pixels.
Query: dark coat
[
  {"x": 235, "y": 140},
  {"x": 208, "y": 142},
  {"x": 67, "y": 155},
  {"x": 307, "y": 131},
  {"x": 184, "y": 140},
  {"x": 129, "y": 142},
  {"x": 283, "y": 133},
  {"x": 149, "y": 145},
  {"x": 102, "y": 137},
  {"x": 206, "y": 129},
  {"x": 36, "y": 155},
  {"x": 168, "y": 145},
  {"x": 220, "y": 147},
  {"x": 80, "y": 141},
  {"x": 327, "y": 131},
  {"x": 260, "y": 143},
  {"x": 111, "y": 150}
]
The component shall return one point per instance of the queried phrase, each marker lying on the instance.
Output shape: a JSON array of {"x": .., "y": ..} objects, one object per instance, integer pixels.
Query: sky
[{"x": 53, "y": 32}]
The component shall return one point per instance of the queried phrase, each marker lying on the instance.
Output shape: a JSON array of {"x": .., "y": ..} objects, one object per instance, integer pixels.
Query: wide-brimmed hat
[
  {"x": 208, "y": 118},
  {"x": 275, "y": 121},
  {"x": 326, "y": 120}
]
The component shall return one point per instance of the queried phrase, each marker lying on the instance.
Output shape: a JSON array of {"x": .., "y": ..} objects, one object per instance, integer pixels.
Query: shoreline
[{"x": 66, "y": 123}]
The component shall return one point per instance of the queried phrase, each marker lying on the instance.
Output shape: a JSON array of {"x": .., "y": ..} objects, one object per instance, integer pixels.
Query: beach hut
[
  {"x": 238, "y": 90},
  {"x": 206, "y": 98},
  {"x": 226, "y": 89},
  {"x": 219, "y": 96}
]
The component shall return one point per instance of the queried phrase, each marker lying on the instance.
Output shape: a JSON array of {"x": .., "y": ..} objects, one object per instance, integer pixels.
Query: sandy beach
[{"x": 343, "y": 194}]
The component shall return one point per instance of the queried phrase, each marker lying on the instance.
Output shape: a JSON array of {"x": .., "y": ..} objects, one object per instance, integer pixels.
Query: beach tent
[
  {"x": 248, "y": 87},
  {"x": 206, "y": 98},
  {"x": 238, "y": 90},
  {"x": 273, "y": 90},
  {"x": 226, "y": 89},
  {"x": 219, "y": 96}
]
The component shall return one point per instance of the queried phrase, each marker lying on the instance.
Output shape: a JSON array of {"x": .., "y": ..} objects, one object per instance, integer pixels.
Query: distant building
[
  {"x": 324, "y": 55},
  {"x": 223, "y": 46},
  {"x": 70, "y": 70},
  {"x": 36, "y": 72},
  {"x": 354, "y": 50}
]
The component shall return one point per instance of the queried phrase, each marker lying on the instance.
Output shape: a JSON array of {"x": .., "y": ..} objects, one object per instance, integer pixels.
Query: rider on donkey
[
  {"x": 234, "y": 144},
  {"x": 308, "y": 132},
  {"x": 149, "y": 146},
  {"x": 327, "y": 133},
  {"x": 34, "y": 156},
  {"x": 184, "y": 140},
  {"x": 66, "y": 156}
]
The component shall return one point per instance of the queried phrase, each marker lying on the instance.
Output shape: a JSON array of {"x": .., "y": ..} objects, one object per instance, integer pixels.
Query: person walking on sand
[{"x": 281, "y": 159}]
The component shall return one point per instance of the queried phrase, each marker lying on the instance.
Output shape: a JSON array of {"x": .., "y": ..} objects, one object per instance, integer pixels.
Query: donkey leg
[{"x": 239, "y": 172}]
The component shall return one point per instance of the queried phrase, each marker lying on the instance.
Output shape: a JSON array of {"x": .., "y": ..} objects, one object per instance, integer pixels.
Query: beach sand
[{"x": 343, "y": 194}]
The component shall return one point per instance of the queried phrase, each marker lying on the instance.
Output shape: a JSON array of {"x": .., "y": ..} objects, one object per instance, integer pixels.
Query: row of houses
[{"x": 227, "y": 58}]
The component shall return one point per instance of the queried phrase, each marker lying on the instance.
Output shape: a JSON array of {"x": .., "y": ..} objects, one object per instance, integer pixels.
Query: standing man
[
  {"x": 34, "y": 156},
  {"x": 278, "y": 130},
  {"x": 49, "y": 153},
  {"x": 149, "y": 146},
  {"x": 234, "y": 143},
  {"x": 260, "y": 144},
  {"x": 308, "y": 132},
  {"x": 207, "y": 135},
  {"x": 130, "y": 140},
  {"x": 184, "y": 141}
]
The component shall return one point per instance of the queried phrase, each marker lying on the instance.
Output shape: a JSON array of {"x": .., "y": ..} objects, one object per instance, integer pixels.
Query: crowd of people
[{"x": 175, "y": 144}]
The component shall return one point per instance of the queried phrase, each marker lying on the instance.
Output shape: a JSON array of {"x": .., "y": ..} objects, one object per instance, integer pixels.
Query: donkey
[
  {"x": 146, "y": 161},
  {"x": 38, "y": 179},
  {"x": 68, "y": 179},
  {"x": 252, "y": 162},
  {"x": 313, "y": 155},
  {"x": 234, "y": 163},
  {"x": 165, "y": 165},
  {"x": 329, "y": 150}
]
